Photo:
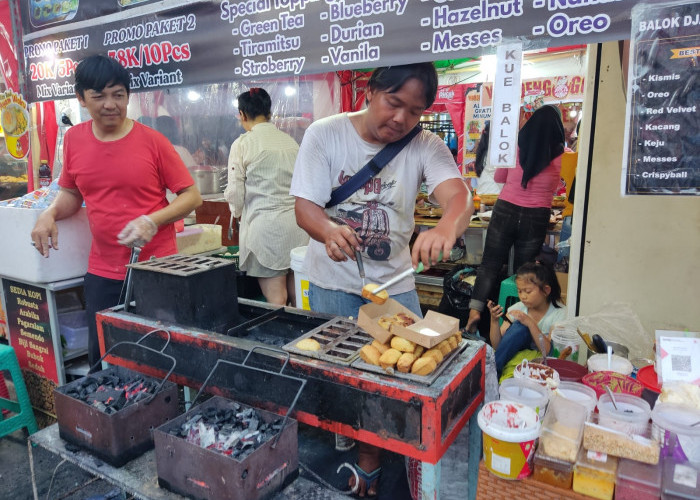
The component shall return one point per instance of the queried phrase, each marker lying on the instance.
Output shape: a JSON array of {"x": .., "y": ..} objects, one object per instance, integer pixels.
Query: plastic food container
[
  {"x": 631, "y": 416},
  {"x": 647, "y": 376},
  {"x": 618, "y": 364},
  {"x": 581, "y": 394},
  {"x": 526, "y": 392},
  {"x": 567, "y": 370},
  {"x": 637, "y": 481},
  {"x": 594, "y": 475},
  {"x": 641, "y": 447},
  {"x": 680, "y": 480},
  {"x": 544, "y": 375},
  {"x": 562, "y": 429},
  {"x": 509, "y": 430},
  {"x": 74, "y": 328},
  {"x": 552, "y": 471},
  {"x": 618, "y": 383},
  {"x": 565, "y": 339},
  {"x": 672, "y": 427}
]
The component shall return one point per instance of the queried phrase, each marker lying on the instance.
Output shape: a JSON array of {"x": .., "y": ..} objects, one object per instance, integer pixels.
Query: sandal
[{"x": 368, "y": 478}]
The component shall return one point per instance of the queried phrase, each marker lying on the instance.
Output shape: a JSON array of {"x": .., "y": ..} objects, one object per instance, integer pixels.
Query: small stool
[
  {"x": 508, "y": 294},
  {"x": 22, "y": 407}
]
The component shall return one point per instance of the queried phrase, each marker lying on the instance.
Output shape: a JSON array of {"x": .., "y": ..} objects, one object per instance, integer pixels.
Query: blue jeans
[
  {"x": 565, "y": 235},
  {"x": 516, "y": 339},
  {"x": 510, "y": 226},
  {"x": 348, "y": 304}
]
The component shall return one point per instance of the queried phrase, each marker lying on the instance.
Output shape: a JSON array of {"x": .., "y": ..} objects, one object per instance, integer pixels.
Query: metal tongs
[
  {"x": 135, "y": 252},
  {"x": 360, "y": 266},
  {"x": 419, "y": 269}
]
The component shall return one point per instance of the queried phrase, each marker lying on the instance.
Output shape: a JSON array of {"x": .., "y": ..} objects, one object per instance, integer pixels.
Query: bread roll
[
  {"x": 379, "y": 298},
  {"x": 403, "y": 345},
  {"x": 370, "y": 354},
  {"x": 423, "y": 366},
  {"x": 458, "y": 337},
  {"x": 308, "y": 345},
  {"x": 418, "y": 351},
  {"x": 453, "y": 343},
  {"x": 405, "y": 361},
  {"x": 444, "y": 347},
  {"x": 389, "y": 358},
  {"x": 380, "y": 347},
  {"x": 434, "y": 353}
]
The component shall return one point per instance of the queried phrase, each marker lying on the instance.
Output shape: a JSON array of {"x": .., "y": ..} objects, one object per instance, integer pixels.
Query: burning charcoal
[
  {"x": 245, "y": 414},
  {"x": 100, "y": 406},
  {"x": 254, "y": 423},
  {"x": 207, "y": 435},
  {"x": 195, "y": 418},
  {"x": 231, "y": 440}
]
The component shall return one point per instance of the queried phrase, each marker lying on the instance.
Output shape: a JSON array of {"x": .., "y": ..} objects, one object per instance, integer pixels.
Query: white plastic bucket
[
  {"x": 564, "y": 337},
  {"x": 509, "y": 430},
  {"x": 673, "y": 429},
  {"x": 527, "y": 392},
  {"x": 599, "y": 363},
  {"x": 579, "y": 393},
  {"x": 631, "y": 415},
  {"x": 301, "y": 279}
]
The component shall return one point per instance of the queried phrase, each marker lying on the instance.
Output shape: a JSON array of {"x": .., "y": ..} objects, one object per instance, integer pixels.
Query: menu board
[
  {"x": 30, "y": 328},
  {"x": 662, "y": 153},
  {"x": 173, "y": 43}
]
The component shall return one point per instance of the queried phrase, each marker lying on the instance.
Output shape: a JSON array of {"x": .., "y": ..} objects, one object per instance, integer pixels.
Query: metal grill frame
[
  {"x": 181, "y": 265},
  {"x": 332, "y": 341}
]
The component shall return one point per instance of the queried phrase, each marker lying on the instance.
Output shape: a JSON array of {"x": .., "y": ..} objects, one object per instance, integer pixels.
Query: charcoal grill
[
  {"x": 405, "y": 416},
  {"x": 340, "y": 339},
  {"x": 204, "y": 474},
  {"x": 122, "y": 436},
  {"x": 186, "y": 289}
]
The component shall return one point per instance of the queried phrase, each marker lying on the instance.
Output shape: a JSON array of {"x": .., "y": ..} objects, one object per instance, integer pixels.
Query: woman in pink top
[{"x": 521, "y": 214}]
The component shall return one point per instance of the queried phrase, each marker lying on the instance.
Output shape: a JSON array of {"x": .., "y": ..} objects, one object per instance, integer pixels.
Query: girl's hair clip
[{"x": 254, "y": 90}]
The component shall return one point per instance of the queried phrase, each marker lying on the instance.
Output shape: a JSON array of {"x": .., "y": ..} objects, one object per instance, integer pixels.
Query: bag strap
[{"x": 372, "y": 168}]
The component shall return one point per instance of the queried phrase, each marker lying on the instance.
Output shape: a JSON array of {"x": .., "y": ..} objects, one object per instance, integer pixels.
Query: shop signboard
[
  {"x": 662, "y": 150},
  {"x": 172, "y": 43},
  {"x": 29, "y": 326},
  {"x": 506, "y": 106},
  {"x": 475, "y": 117},
  {"x": 551, "y": 90}
]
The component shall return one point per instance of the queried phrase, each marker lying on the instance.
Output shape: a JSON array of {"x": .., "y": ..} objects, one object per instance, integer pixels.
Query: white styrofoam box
[{"x": 19, "y": 260}]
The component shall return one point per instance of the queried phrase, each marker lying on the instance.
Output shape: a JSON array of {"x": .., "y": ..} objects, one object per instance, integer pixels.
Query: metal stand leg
[
  {"x": 189, "y": 395},
  {"x": 430, "y": 481},
  {"x": 31, "y": 468},
  {"x": 474, "y": 455}
]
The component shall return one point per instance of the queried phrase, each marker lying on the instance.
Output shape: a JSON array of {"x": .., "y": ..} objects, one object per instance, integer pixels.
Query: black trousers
[
  {"x": 100, "y": 293},
  {"x": 511, "y": 226}
]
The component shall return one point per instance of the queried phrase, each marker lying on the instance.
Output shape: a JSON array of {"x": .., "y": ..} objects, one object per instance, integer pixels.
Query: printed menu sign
[
  {"x": 171, "y": 43},
  {"x": 663, "y": 128},
  {"x": 30, "y": 328}
]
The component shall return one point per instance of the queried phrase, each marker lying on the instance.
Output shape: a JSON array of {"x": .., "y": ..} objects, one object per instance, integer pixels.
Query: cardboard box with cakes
[{"x": 406, "y": 345}]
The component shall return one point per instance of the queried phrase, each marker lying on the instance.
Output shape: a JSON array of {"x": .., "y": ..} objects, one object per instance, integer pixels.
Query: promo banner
[
  {"x": 171, "y": 43},
  {"x": 15, "y": 123},
  {"x": 662, "y": 150},
  {"x": 550, "y": 90}
]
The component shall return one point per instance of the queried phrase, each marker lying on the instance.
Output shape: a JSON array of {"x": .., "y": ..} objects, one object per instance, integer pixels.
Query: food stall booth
[{"x": 169, "y": 46}]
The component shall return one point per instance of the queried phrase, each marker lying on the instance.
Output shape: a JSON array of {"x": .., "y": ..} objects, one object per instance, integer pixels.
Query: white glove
[{"x": 138, "y": 232}]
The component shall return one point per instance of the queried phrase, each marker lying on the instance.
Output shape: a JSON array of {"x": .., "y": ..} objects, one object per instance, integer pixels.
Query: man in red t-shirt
[{"x": 121, "y": 169}]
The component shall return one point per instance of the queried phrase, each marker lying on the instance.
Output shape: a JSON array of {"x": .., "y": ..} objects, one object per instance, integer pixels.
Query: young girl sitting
[{"x": 528, "y": 323}]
